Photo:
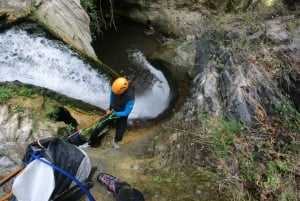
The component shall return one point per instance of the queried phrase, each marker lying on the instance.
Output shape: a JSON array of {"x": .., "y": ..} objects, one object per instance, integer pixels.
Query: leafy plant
[
  {"x": 95, "y": 24},
  {"x": 20, "y": 108},
  {"x": 156, "y": 178},
  {"x": 284, "y": 165},
  {"x": 263, "y": 149},
  {"x": 273, "y": 178},
  {"x": 5, "y": 94},
  {"x": 159, "y": 179},
  {"x": 218, "y": 64},
  {"x": 35, "y": 125},
  {"x": 203, "y": 116},
  {"x": 292, "y": 25},
  {"x": 224, "y": 136},
  {"x": 249, "y": 168},
  {"x": 70, "y": 128},
  {"x": 289, "y": 117},
  {"x": 24, "y": 91}
]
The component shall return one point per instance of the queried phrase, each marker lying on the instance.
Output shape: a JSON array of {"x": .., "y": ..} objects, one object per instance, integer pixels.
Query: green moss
[{"x": 200, "y": 185}]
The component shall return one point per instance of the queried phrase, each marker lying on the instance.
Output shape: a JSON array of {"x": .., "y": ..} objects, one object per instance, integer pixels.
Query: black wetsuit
[{"x": 122, "y": 106}]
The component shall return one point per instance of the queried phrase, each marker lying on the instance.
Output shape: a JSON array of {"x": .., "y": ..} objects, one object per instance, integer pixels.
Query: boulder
[{"x": 65, "y": 19}]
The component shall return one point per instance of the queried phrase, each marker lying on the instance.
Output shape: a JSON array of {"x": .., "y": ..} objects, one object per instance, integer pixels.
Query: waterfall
[
  {"x": 29, "y": 56},
  {"x": 153, "y": 91},
  {"x": 33, "y": 59}
]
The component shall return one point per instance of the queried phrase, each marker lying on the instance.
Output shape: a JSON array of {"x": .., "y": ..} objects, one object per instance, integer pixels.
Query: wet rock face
[
  {"x": 285, "y": 34},
  {"x": 172, "y": 17},
  {"x": 17, "y": 131},
  {"x": 296, "y": 93},
  {"x": 243, "y": 98},
  {"x": 14, "y": 9},
  {"x": 66, "y": 19},
  {"x": 246, "y": 86},
  {"x": 292, "y": 87}
]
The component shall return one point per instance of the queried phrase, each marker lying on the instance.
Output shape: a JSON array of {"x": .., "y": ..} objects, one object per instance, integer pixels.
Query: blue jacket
[{"x": 122, "y": 104}]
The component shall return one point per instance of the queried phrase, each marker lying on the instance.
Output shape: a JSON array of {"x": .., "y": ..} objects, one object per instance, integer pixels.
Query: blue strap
[
  {"x": 83, "y": 188},
  {"x": 34, "y": 155}
]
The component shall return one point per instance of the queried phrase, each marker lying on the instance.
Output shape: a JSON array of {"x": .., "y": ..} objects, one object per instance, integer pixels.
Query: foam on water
[{"x": 157, "y": 95}]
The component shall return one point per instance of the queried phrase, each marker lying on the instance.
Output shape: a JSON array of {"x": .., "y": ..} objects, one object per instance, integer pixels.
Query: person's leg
[{"x": 121, "y": 125}]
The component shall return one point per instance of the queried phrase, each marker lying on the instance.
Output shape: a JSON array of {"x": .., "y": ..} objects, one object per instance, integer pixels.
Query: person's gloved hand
[
  {"x": 111, "y": 113},
  {"x": 108, "y": 111}
]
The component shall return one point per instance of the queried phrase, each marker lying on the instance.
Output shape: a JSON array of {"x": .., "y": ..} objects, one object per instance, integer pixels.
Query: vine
[{"x": 98, "y": 21}]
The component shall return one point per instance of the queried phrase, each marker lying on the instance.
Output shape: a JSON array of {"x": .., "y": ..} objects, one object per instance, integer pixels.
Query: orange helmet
[{"x": 119, "y": 85}]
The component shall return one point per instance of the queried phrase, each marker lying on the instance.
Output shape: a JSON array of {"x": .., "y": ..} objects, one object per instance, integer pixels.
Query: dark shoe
[{"x": 108, "y": 181}]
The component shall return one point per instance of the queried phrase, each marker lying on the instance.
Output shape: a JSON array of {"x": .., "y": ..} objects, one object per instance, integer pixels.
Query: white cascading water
[
  {"x": 34, "y": 59},
  {"x": 156, "y": 96},
  {"x": 50, "y": 64}
]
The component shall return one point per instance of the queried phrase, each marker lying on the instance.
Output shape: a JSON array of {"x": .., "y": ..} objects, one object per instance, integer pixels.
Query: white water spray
[
  {"x": 50, "y": 64},
  {"x": 153, "y": 100}
]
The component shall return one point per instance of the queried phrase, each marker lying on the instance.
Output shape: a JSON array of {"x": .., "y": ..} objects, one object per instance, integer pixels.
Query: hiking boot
[
  {"x": 85, "y": 145},
  {"x": 116, "y": 145},
  {"x": 108, "y": 181},
  {"x": 113, "y": 184}
]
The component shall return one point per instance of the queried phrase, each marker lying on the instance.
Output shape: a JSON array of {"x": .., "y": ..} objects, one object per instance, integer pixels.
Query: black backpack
[{"x": 72, "y": 168}]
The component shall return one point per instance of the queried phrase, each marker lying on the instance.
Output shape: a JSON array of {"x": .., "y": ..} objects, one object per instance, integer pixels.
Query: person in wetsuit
[
  {"x": 148, "y": 23},
  {"x": 122, "y": 98},
  {"x": 148, "y": 26}
]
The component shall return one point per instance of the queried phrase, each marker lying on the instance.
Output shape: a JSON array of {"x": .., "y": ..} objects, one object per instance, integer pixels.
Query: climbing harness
[
  {"x": 94, "y": 124},
  {"x": 78, "y": 132},
  {"x": 95, "y": 137},
  {"x": 110, "y": 117}
]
